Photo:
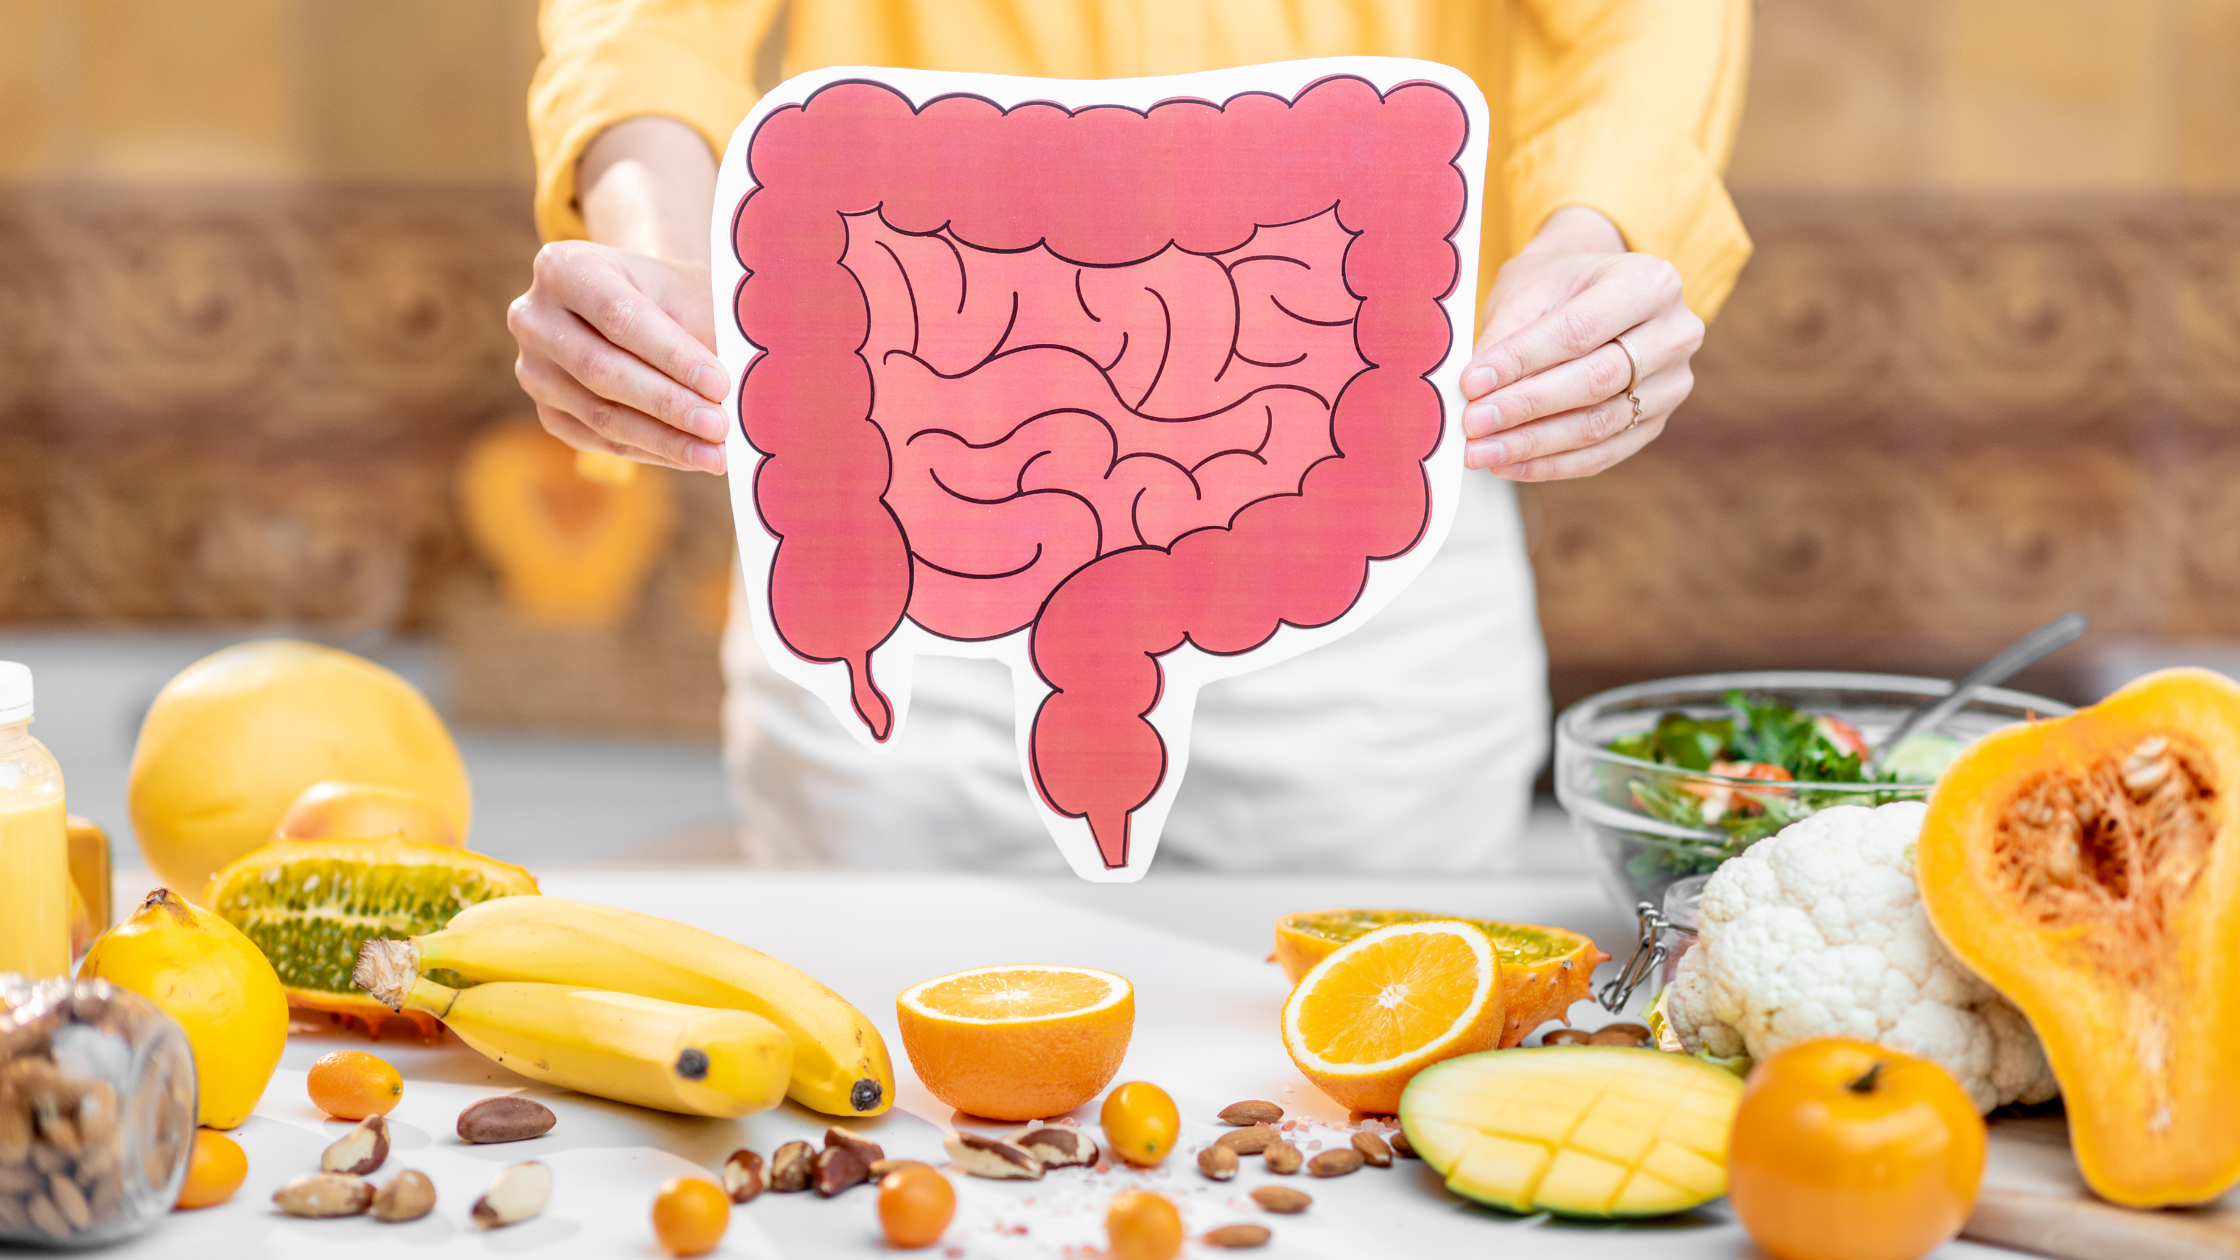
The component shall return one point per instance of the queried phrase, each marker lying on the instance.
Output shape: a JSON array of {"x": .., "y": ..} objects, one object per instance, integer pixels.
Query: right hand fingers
[
  {"x": 588, "y": 422},
  {"x": 554, "y": 333}
]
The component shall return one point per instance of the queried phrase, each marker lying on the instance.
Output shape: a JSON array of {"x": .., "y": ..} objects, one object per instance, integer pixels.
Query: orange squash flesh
[{"x": 2089, "y": 868}]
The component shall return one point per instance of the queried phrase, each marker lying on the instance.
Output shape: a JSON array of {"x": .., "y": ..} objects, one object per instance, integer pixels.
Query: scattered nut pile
[
  {"x": 340, "y": 1187},
  {"x": 97, "y": 1112},
  {"x": 1629, "y": 1035}
]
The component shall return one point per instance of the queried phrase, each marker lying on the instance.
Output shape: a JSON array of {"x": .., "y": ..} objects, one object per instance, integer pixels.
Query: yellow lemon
[
  {"x": 364, "y": 811},
  {"x": 205, "y": 974},
  {"x": 234, "y": 740}
]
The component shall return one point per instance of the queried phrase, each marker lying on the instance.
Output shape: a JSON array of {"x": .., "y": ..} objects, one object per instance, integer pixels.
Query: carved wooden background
[{"x": 1921, "y": 427}]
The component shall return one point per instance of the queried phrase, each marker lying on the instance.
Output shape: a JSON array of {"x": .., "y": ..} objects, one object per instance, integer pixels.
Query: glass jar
[{"x": 34, "y": 841}]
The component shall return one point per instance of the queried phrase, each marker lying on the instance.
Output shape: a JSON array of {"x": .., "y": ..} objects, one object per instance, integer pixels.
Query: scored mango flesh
[
  {"x": 1576, "y": 1130},
  {"x": 1543, "y": 969}
]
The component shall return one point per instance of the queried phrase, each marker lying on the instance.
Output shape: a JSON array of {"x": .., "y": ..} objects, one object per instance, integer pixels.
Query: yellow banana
[
  {"x": 694, "y": 1060},
  {"x": 840, "y": 1063}
]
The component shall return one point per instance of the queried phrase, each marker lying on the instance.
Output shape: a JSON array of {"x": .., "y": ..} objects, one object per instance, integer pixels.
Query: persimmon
[
  {"x": 916, "y": 1204},
  {"x": 214, "y": 1171},
  {"x": 1846, "y": 1150},
  {"x": 351, "y": 1085},
  {"x": 690, "y": 1215},
  {"x": 1141, "y": 1225}
]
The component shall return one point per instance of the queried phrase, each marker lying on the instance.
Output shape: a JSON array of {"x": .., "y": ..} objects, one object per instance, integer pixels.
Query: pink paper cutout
[{"x": 1127, "y": 378}]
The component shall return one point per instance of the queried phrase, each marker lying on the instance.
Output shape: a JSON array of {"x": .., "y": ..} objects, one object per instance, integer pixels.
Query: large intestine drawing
[{"x": 1110, "y": 380}]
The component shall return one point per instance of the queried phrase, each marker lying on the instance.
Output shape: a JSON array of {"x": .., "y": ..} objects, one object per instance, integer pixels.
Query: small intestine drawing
[{"x": 1098, "y": 380}]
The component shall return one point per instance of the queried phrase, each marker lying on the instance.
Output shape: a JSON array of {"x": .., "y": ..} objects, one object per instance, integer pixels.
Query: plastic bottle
[{"x": 34, "y": 841}]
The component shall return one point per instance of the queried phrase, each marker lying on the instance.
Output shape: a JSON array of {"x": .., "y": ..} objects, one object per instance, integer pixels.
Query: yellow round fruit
[
  {"x": 1140, "y": 1123},
  {"x": 1017, "y": 1042},
  {"x": 201, "y": 971},
  {"x": 331, "y": 810},
  {"x": 234, "y": 739}
]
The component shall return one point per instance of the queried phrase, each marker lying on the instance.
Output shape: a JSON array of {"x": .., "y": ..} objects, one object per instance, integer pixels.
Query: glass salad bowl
[{"x": 1649, "y": 823}]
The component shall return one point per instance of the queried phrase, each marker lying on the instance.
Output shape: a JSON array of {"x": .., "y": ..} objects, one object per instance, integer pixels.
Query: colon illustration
[{"x": 1132, "y": 396}]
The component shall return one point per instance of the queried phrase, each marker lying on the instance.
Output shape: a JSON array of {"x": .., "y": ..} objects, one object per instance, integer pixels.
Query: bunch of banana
[{"x": 839, "y": 1062}]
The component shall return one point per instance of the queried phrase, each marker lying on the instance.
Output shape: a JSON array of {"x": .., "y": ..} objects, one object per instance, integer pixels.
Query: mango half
[{"x": 1594, "y": 1131}]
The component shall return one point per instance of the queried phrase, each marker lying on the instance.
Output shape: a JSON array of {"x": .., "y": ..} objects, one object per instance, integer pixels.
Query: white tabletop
[{"x": 1205, "y": 1031}]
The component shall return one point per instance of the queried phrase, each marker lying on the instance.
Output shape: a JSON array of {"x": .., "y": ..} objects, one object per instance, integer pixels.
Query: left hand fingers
[
  {"x": 1665, "y": 342},
  {"x": 1633, "y": 289},
  {"x": 1585, "y": 440}
]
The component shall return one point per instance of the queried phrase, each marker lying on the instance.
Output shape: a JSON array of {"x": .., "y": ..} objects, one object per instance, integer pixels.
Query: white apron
[{"x": 1408, "y": 745}]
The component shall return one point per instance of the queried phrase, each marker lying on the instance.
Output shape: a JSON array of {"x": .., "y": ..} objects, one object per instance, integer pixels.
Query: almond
[
  {"x": 1237, "y": 1237},
  {"x": 408, "y": 1196},
  {"x": 1402, "y": 1148},
  {"x": 836, "y": 1168},
  {"x": 1059, "y": 1148},
  {"x": 866, "y": 1151},
  {"x": 790, "y": 1167},
  {"x": 1335, "y": 1163},
  {"x": 517, "y": 1194},
  {"x": 324, "y": 1194},
  {"x": 1567, "y": 1037},
  {"x": 509, "y": 1118},
  {"x": 1251, "y": 1111},
  {"x": 360, "y": 1151},
  {"x": 986, "y": 1157},
  {"x": 742, "y": 1175},
  {"x": 1373, "y": 1149},
  {"x": 1250, "y": 1141},
  {"x": 1282, "y": 1199},
  {"x": 1621, "y": 1035},
  {"x": 1282, "y": 1158},
  {"x": 1218, "y": 1162}
]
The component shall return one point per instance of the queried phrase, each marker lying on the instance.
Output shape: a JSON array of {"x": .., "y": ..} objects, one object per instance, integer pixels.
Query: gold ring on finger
[{"x": 1633, "y": 385}]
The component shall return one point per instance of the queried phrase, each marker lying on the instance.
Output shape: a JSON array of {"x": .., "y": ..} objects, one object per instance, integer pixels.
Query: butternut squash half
[{"x": 2089, "y": 868}]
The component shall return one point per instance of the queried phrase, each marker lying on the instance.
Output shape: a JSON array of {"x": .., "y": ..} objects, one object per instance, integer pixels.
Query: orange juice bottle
[{"x": 34, "y": 841}]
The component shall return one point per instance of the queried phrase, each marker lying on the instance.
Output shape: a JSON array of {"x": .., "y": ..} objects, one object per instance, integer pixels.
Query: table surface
[{"x": 1207, "y": 1003}]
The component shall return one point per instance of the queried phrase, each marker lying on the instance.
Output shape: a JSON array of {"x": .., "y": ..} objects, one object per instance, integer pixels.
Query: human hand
[
  {"x": 1545, "y": 390},
  {"x": 616, "y": 350}
]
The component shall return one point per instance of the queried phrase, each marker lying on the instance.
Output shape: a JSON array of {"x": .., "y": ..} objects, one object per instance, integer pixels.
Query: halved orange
[
  {"x": 1543, "y": 969},
  {"x": 1023, "y": 1041},
  {"x": 1391, "y": 1003}
]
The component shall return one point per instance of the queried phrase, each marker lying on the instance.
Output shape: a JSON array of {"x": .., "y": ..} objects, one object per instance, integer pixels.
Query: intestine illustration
[{"x": 1085, "y": 384}]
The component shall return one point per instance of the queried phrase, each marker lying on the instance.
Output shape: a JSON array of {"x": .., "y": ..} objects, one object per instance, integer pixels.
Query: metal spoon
[{"x": 1998, "y": 669}]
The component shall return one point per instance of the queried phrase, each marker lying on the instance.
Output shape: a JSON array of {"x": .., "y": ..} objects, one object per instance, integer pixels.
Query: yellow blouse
[{"x": 1628, "y": 106}]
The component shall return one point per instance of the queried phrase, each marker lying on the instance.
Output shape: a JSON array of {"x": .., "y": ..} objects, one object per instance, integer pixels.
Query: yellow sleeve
[
  {"x": 608, "y": 60},
  {"x": 1630, "y": 106}
]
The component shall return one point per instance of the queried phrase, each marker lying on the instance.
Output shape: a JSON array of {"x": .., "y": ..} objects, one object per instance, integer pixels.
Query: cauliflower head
[{"x": 1819, "y": 931}]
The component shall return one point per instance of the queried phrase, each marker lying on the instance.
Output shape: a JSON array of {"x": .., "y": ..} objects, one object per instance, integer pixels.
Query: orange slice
[
  {"x": 1023, "y": 1041},
  {"x": 1391, "y": 1003},
  {"x": 1543, "y": 969}
]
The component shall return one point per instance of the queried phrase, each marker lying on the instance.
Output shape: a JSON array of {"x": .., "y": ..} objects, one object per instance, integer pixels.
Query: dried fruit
[
  {"x": 1251, "y": 1112},
  {"x": 869, "y": 1152},
  {"x": 1237, "y": 1237},
  {"x": 517, "y": 1194},
  {"x": 508, "y": 1118},
  {"x": 1282, "y": 1158},
  {"x": 790, "y": 1167},
  {"x": 324, "y": 1194},
  {"x": 351, "y": 1085},
  {"x": 1141, "y": 1225},
  {"x": 1282, "y": 1199},
  {"x": 742, "y": 1176},
  {"x": 1140, "y": 1123},
  {"x": 1373, "y": 1149},
  {"x": 1335, "y": 1163},
  {"x": 978, "y": 1156},
  {"x": 1250, "y": 1141},
  {"x": 836, "y": 1168},
  {"x": 915, "y": 1206},
  {"x": 408, "y": 1196},
  {"x": 360, "y": 1151},
  {"x": 690, "y": 1216},
  {"x": 1218, "y": 1162},
  {"x": 215, "y": 1170},
  {"x": 1060, "y": 1148}
]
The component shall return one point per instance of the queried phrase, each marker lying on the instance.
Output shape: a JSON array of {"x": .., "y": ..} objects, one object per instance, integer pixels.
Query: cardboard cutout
[{"x": 1131, "y": 384}]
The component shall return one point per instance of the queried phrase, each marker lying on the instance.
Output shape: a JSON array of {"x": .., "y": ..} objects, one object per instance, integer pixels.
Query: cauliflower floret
[{"x": 1820, "y": 932}]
